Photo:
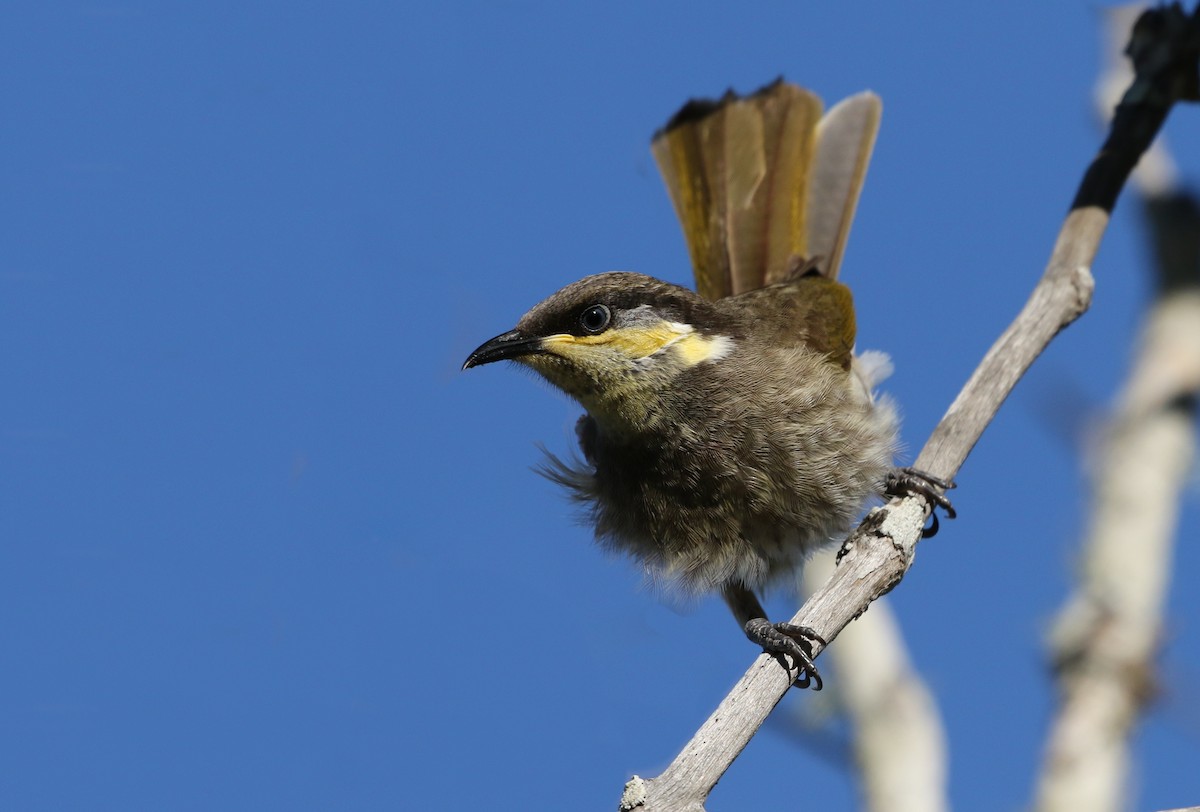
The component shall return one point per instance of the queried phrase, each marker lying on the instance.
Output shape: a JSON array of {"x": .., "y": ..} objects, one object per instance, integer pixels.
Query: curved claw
[
  {"x": 910, "y": 481},
  {"x": 795, "y": 641}
]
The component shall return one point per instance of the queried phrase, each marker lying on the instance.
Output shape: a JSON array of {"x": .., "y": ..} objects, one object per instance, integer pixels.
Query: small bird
[{"x": 732, "y": 431}]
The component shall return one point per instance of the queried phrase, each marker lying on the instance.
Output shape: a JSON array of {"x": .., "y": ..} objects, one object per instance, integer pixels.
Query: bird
[{"x": 731, "y": 431}]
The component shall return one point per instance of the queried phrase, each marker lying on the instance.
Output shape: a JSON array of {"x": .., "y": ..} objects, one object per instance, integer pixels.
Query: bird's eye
[{"x": 595, "y": 319}]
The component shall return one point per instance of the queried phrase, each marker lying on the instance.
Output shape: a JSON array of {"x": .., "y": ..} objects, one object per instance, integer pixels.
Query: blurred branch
[
  {"x": 899, "y": 744},
  {"x": 879, "y": 552},
  {"x": 1106, "y": 637}
]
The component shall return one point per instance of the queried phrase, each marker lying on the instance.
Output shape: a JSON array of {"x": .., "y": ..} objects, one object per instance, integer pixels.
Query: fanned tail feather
[{"x": 760, "y": 182}]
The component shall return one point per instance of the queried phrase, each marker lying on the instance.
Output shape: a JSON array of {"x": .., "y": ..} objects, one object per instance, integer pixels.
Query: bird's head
[{"x": 615, "y": 341}]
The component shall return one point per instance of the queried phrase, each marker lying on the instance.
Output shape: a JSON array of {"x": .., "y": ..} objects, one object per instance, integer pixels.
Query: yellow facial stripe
[{"x": 640, "y": 342}]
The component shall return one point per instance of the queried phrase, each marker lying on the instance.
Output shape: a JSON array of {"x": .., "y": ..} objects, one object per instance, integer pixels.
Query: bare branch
[{"x": 877, "y": 555}]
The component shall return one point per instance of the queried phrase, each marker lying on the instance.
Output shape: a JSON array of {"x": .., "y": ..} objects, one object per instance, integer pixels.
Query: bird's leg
[
  {"x": 775, "y": 638},
  {"x": 910, "y": 481}
]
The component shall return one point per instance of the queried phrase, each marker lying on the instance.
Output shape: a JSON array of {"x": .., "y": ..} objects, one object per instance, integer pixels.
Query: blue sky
[{"x": 262, "y": 545}]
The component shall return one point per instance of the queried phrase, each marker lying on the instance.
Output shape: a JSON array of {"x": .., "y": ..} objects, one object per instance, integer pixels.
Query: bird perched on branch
[{"x": 731, "y": 431}]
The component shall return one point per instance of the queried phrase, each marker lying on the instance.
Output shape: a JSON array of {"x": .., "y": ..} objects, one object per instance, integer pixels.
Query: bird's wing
[
  {"x": 810, "y": 311},
  {"x": 748, "y": 174}
]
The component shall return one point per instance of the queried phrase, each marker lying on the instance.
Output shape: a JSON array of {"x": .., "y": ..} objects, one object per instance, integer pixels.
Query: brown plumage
[
  {"x": 731, "y": 471},
  {"x": 729, "y": 432}
]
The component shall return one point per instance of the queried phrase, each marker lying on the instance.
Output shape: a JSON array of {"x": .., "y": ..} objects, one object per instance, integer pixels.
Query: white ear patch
[{"x": 694, "y": 348}]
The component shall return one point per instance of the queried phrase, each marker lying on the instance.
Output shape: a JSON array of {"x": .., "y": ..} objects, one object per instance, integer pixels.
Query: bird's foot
[
  {"x": 788, "y": 638},
  {"x": 910, "y": 481}
]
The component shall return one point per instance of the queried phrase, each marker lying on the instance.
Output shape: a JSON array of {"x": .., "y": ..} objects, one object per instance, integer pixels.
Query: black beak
[{"x": 504, "y": 346}]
